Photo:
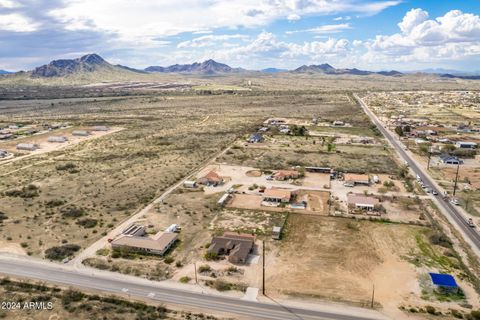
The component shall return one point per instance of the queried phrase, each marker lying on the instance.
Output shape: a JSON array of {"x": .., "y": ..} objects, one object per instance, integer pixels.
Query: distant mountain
[
  {"x": 328, "y": 69},
  {"x": 453, "y": 76},
  {"x": 273, "y": 70},
  {"x": 442, "y": 71},
  {"x": 5, "y": 72},
  {"x": 130, "y": 69},
  {"x": 206, "y": 67},
  {"x": 64, "y": 67}
]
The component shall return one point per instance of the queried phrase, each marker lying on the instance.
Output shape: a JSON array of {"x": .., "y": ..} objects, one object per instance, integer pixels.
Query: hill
[
  {"x": 89, "y": 63},
  {"x": 328, "y": 69},
  {"x": 5, "y": 72},
  {"x": 206, "y": 67}
]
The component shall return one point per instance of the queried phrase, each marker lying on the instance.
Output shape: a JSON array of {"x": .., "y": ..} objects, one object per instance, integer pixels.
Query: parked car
[{"x": 435, "y": 193}]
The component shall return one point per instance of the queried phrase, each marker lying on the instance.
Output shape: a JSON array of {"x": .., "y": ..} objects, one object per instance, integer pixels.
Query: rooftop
[
  {"x": 361, "y": 199},
  {"x": 159, "y": 243},
  {"x": 444, "y": 280},
  {"x": 278, "y": 193}
]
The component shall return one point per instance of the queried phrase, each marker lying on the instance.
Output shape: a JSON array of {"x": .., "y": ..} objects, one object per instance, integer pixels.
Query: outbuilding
[
  {"x": 81, "y": 133},
  {"x": 189, "y": 184},
  {"x": 466, "y": 145},
  {"x": 444, "y": 282},
  {"x": 448, "y": 159},
  {"x": 27, "y": 146},
  {"x": 57, "y": 139}
]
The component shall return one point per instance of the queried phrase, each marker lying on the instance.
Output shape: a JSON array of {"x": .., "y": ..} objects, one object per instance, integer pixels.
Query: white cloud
[
  {"x": 9, "y": 4},
  {"x": 15, "y": 22},
  {"x": 209, "y": 40},
  {"x": 293, "y": 17},
  {"x": 412, "y": 19},
  {"x": 146, "y": 18},
  {"x": 326, "y": 29}
]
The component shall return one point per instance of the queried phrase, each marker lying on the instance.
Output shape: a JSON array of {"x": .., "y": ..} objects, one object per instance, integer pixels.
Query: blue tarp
[{"x": 443, "y": 280}]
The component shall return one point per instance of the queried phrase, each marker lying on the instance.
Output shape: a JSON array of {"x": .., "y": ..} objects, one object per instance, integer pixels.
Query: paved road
[
  {"x": 108, "y": 282},
  {"x": 470, "y": 234}
]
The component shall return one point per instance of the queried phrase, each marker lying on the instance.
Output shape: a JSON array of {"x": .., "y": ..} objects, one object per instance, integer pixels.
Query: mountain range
[
  {"x": 5, "y": 72},
  {"x": 92, "y": 63}
]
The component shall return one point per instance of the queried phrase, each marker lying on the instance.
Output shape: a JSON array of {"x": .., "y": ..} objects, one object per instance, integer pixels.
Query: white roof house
[
  {"x": 57, "y": 139},
  {"x": 27, "y": 146},
  {"x": 466, "y": 144}
]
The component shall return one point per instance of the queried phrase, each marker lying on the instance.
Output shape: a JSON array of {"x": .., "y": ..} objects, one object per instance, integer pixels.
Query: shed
[
  {"x": 255, "y": 138},
  {"x": 224, "y": 199},
  {"x": 353, "y": 179},
  {"x": 100, "y": 128},
  {"x": 466, "y": 145}
]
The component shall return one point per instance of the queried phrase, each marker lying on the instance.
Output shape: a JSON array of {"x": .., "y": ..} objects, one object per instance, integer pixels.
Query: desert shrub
[
  {"x": 87, "y": 222},
  {"x": 211, "y": 256},
  {"x": 168, "y": 259},
  {"x": 72, "y": 212},
  {"x": 440, "y": 239},
  {"x": 61, "y": 252},
  {"x": 66, "y": 167},
  {"x": 54, "y": 203},
  {"x": 430, "y": 309},
  {"x": 3, "y": 216},
  {"x": 185, "y": 279},
  {"x": 30, "y": 191},
  {"x": 204, "y": 268}
]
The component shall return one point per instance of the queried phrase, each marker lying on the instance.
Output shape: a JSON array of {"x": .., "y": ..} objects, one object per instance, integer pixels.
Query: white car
[
  {"x": 470, "y": 223},
  {"x": 455, "y": 202}
]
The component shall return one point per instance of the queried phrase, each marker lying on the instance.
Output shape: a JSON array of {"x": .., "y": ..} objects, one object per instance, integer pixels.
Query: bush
[
  {"x": 30, "y": 191},
  {"x": 54, "y": 203},
  {"x": 3, "y": 216},
  {"x": 87, "y": 222},
  {"x": 66, "y": 167},
  {"x": 430, "y": 310},
  {"x": 440, "y": 239},
  {"x": 211, "y": 256},
  {"x": 204, "y": 268},
  {"x": 72, "y": 212},
  {"x": 185, "y": 279},
  {"x": 61, "y": 252},
  {"x": 168, "y": 259}
]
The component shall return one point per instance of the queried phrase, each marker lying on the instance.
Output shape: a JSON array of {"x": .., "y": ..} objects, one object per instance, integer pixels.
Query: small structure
[
  {"x": 338, "y": 123},
  {"x": 276, "y": 196},
  {"x": 236, "y": 246},
  {"x": 134, "y": 230},
  {"x": 211, "y": 179},
  {"x": 319, "y": 169},
  {"x": 255, "y": 138},
  {"x": 444, "y": 282},
  {"x": 27, "y": 146},
  {"x": 276, "y": 233},
  {"x": 362, "y": 202},
  {"x": 282, "y": 175},
  {"x": 81, "y": 133},
  {"x": 4, "y": 154},
  {"x": 158, "y": 244},
  {"x": 448, "y": 159},
  {"x": 224, "y": 199},
  {"x": 57, "y": 139},
  {"x": 173, "y": 228},
  {"x": 189, "y": 184},
  {"x": 352, "y": 180},
  {"x": 100, "y": 128},
  {"x": 466, "y": 145}
]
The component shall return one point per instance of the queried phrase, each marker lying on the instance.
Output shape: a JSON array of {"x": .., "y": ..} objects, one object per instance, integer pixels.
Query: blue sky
[{"x": 253, "y": 34}]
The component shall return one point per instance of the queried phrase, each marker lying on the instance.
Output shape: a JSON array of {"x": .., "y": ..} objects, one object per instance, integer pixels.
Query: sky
[{"x": 253, "y": 34}]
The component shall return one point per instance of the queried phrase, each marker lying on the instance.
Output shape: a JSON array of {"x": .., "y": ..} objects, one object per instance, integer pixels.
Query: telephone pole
[
  {"x": 263, "y": 271},
  {"x": 428, "y": 163},
  {"x": 373, "y": 295},
  {"x": 456, "y": 179},
  {"x": 196, "y": 278}
]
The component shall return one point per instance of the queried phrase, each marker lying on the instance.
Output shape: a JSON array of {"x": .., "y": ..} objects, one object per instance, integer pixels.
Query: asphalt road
[
  {"x": 473, "y": 237},
  {"x": 108, "y": 282}
]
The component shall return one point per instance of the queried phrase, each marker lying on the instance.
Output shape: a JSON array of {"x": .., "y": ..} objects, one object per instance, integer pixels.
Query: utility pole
[
  {"x": 373, "y": 295},
  {"x": 196, "y": 278},
  {"x": 263, "y": 271},
  {"x": 429, "y": 156},
  {"x": 456, "y": 179}
]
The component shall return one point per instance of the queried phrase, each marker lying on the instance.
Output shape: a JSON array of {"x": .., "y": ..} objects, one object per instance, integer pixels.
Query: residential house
[
  {"x": 448, "y": 159},
  {"x": 352, "y": 180},
  {"x": 100, "y": 128},
  {"x": 134, "y": 230},
  {"x": 158, "y": 244},
  {"x": 237, "y": 246},
  {"x": 276, "y": 196},
  {"x": 282, "y": 175},
  {"x": 362, "y": 202},
  {"x": 211, "y": 179}
]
